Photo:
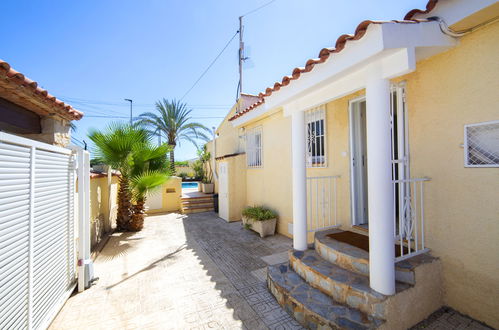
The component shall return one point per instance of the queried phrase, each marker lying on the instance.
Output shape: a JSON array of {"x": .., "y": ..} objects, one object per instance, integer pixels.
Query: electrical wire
[
  {"x": 209, "y": 66},
  {"x": 258, "y": 8}
]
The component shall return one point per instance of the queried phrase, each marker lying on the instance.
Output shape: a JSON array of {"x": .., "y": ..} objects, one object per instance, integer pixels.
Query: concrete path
[{"x": 181, "y": 272}]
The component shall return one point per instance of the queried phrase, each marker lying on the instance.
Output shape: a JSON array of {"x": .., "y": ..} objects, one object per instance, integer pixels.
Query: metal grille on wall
[
  {"x": 481, "y": 144},
  {"x": 254, "y": 147},
  {"x": 37, "y": 250},
  {"x": 315, "y": 121}
]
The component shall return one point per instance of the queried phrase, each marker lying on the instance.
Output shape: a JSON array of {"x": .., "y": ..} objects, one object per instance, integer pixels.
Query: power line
[
  {"x": 209, "y": 66},
  {"x": 137, "y": 118},
  {"x": 258, "y": 8}
]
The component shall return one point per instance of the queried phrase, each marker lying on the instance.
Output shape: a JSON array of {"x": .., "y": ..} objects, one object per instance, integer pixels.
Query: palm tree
[
  {"x": 128, "y": 149},
  {"x": 173, "y": 122},
  {"x": 148, "y": 172}
]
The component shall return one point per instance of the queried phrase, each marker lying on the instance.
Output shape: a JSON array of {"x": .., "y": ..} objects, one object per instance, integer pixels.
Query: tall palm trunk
[
  {"x": 137, "y": 222},
  {"x": 172, "y": 159},
  {"x": 124, "y": 205}
]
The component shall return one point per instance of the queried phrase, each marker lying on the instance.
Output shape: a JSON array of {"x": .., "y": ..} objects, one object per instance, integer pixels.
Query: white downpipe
[
  {"x": 380, "y": 188},
  {"x": 299, "y": 181},
  {"x": 214, "y": 156},
  {"x": 83, "y": 172}
]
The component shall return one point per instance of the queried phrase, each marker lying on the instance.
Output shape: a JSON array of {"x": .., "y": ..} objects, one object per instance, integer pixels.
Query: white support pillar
[
  {"x": 380, "y": 188},
  {"x": 83, "y": 173},
  {"x": 299, "y": 181}
]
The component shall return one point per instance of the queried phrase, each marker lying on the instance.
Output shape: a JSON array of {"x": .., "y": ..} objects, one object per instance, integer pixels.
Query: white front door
[
  {"x": 358, "y": 161},
  {"x": 154, "y": 199},
  {"x": 223, "y": 191}
]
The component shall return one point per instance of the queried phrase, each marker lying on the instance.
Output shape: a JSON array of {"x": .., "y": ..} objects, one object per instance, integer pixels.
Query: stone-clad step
[
  {"x": 355, "y": 259},
  {"x": 197, "y": 204},
  {"x": 312, "y": 308},
  {"x": 344, "y": 286}
]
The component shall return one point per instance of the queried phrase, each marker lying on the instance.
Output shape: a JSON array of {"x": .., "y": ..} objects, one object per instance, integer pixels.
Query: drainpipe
[{"x": 214, "y": 155}]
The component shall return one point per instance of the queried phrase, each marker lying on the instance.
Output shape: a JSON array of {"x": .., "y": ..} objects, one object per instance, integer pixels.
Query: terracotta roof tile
[
  {"x": 17, "y": 78},
  {"x": 324, "y": 54}
]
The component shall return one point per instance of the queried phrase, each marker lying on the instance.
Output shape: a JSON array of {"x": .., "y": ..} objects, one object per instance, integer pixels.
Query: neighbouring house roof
[
  {"x": 324, "y": 54},
  {"x": 25, "y": 92}
]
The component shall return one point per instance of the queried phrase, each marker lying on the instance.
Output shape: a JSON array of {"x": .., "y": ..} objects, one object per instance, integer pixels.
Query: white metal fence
[
  {"x": 408, "y": 212},
  {"x": 37, "y": 231},
  {"x": 322, "y": 203}
]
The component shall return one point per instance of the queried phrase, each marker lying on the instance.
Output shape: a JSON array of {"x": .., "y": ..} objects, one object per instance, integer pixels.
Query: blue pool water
[{"x": 189, "y": 185}]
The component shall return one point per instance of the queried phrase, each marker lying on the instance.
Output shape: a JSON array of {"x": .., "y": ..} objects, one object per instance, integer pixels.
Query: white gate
[{"x": 37, "y": 236}]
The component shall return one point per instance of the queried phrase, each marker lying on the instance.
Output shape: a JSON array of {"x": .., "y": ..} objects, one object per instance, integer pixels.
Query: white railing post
[
  {"x": 299, "y": 181},
  {"x": 380, "y": 193}
]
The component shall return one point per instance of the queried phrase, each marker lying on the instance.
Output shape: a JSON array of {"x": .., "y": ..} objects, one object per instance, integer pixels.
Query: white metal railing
[
  {"x": 408, "y": 212},
  {"x": 322, "y": 203}
]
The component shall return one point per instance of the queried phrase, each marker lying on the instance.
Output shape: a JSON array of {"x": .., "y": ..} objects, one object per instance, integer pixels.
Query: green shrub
[
  {"x": 183, "y": 175},
  {"x": 259, "y": 213}
]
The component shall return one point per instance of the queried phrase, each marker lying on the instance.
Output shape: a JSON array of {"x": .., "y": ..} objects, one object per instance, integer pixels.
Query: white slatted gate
[{"x": 37, "y": 231}]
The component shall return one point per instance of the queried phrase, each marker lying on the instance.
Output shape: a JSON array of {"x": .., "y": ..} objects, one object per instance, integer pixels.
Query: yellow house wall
[
  {"x": 171, "y": 200},
  {"x": 102, "y": 213},
  {"x": 446, "y": 92},
  {"x": 270, "y": 185},
  {"x": 228, "y": 137}
]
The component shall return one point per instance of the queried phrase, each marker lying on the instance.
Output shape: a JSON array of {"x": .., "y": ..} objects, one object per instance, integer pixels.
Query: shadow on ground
[{"x": 227, "y": 251}]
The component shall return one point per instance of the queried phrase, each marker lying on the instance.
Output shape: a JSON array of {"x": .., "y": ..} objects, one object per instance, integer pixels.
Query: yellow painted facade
[
  {"x": 103, "y": 206},
  {"x": 445, "y": 92},
  {"x": 171, "y": 193}
]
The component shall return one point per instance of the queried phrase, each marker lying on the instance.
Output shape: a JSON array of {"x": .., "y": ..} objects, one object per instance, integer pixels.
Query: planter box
[
  {"x": 207, "y": 188},
  {"x": 264, "y": 228}
]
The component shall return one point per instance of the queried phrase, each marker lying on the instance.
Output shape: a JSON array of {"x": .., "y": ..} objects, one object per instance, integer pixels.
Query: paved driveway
[{"x": 181, "y": 272}]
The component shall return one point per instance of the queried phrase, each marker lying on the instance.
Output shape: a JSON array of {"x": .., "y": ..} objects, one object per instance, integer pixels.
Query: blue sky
[{"x": 94, "y": 53}]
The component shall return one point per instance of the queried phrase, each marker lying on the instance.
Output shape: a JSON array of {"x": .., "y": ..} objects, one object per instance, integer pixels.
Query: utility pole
[
  {"x": 131, "y": 110},
  {"x": 241, "y": 56}
]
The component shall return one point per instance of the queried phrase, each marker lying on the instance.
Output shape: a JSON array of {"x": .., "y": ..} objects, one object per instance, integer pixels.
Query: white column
[
  {"x": 299, "y": 181},
  {"x": 380, "y": 188}
]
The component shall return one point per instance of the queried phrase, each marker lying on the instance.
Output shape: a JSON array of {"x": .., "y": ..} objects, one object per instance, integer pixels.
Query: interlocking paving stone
[
  {"x": 448, "y": 318},
  {"x": 186, "y": 272}
]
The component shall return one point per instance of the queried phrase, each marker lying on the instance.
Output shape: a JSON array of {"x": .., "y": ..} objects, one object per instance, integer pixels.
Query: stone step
[
  {"x": 344, "y": 286},
  {"x": 198, "y": 203},
  {"x": 356, "y": 259},
  {"x": 196, "y": 209},
  {"x": 312, "y": 308}
]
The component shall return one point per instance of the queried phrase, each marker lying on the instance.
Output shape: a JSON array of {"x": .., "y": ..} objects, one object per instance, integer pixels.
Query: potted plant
[
  {"x": 260, "y": 219},
  {"x": 207, "y": 186}
]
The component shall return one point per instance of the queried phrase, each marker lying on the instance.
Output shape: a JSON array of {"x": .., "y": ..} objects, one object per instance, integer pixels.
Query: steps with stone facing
[
  {"x": 197, "y": 204},
  {"x": 356, "y": 259},
  {"x": 343, "y": 285},
  {"x": 312, "y": 308},
  {"x": 329, "y": 288}
]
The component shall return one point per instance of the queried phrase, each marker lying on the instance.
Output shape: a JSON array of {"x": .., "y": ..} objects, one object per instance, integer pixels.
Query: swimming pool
[{"x": 189, "y": 185}]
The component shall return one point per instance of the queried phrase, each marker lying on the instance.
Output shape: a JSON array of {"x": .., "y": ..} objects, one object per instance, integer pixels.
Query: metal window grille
[
  {"x": 254, "y": 147},
  {"x": 481, "y": 144},
  {"x": 316, "y": 137}
]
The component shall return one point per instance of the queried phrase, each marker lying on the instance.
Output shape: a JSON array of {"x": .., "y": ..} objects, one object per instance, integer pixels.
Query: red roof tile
[
  {"x": 324, "y": 54},
  {"x": 17, "y": 78}
]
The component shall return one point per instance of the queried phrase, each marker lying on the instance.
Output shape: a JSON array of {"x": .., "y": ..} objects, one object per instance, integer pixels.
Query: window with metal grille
[
  {"x": 254, "y": 147},
  {"x": 316, "y": 137},
  {"x": 481, "y": 144}
]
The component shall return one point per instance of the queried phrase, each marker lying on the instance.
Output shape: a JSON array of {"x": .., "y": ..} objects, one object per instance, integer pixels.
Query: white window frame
[
  {"x": 254, "y": 150},
  {"x": 466, "y": 146},
  {"x": 312, "y": 117}
]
